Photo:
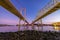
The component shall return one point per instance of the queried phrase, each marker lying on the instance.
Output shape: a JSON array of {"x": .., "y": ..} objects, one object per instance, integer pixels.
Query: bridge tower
[
  {"x": 23, "y": 11},
  {"x": 25, "y": 27}
]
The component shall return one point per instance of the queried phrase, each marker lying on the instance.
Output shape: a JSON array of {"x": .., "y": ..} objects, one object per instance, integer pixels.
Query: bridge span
[
  {"x": 9, "y": 6},
  {"x": 50, "y": 7}
]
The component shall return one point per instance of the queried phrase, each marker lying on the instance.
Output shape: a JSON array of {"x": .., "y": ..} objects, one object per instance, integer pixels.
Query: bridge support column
[
  {"x": 27, "y": 26},
  {"x": 41, "y": 25},
  {"x": 19, "y": 25},
  {"x": 38, "y": 27},
  {"x": 24, "y": 26},
  {"x": 33, "y": 27}
]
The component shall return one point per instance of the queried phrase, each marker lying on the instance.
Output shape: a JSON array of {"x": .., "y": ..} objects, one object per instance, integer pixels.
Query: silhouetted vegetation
[{"x": 5, "y": 25}]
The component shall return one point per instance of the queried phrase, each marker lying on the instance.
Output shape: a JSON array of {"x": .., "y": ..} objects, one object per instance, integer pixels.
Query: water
[{"x": 15, "y": 28}]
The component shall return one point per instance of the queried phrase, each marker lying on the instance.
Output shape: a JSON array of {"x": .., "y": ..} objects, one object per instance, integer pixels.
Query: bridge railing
[{"x": 47, "y": 7}]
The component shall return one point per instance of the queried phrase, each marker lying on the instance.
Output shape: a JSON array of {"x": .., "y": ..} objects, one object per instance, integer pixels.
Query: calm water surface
[{"x": 15, "y": 28}]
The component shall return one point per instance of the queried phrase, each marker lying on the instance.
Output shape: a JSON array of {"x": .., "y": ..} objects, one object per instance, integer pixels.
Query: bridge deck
[
  {"x": 48, "y": 11},
  {"x": 9, "y": 6}
]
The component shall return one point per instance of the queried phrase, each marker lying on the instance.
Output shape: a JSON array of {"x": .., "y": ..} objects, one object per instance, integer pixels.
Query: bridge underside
[
  {"x": 9, "y": 6},
  {"x": 49, "y": 12}
]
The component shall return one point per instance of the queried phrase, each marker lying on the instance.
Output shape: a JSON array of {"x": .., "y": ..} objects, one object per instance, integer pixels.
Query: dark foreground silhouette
[{"x": 30, "y": 35}]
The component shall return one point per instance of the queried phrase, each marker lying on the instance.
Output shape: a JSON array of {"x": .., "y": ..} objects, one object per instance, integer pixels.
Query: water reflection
[{"x": 22, "y": 28}]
